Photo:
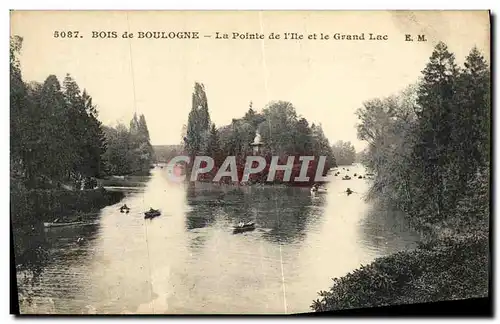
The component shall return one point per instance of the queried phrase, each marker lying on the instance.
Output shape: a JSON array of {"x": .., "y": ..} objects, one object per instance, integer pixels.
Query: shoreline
[
  {"x": 415, "y": 276},
  {"x": 450, "y": 262},
  {"x": 32, "y": 207}
]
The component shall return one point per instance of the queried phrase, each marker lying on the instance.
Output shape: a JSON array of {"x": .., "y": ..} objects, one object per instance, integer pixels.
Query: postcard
[{"x": 249, "y": 162}]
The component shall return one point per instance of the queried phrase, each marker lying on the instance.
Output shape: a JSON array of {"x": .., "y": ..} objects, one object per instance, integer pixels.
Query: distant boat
[
  {"x": 152, "y": 213},
  {"x": 240, "y": 228},
  {"x": 346, "y": 177},
  {"x": 62, "y": 224},
  {"x": 318, "y": 190},
  {"x": 125, "y": 209}
]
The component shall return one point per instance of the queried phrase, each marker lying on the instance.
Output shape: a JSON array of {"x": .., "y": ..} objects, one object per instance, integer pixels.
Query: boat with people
[
  {"x": 244, "y": 227},
  {"x": 124, "y": 209},
  {"x": 318, "y": 189},
  {"x": 349, "y": 191},
  {"x": 152, "y": 213},
  {"x": 346, "y": 177}
]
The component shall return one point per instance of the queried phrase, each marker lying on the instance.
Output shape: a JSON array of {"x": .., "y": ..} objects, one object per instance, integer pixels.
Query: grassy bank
[
  {"x": 451, "y": 268},
  {"x": 32, "y": 207}
]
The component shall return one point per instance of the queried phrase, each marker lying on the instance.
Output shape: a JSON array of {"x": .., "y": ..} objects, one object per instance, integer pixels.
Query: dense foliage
[
  {"x": 55, "y": 134},
  {"x": 57, "y": 139},
  {"x": 344, "y": 152},
  {"x": 283, "y": 133},
  {"x": 129, "y": 150},
  {"x": 429, "y": 148},
  {"x": 431, "y": 273},
  {"x": 164, "y": 153},
  {"x": 59, "y": 147},
  {"x": 431, "y": 142}
]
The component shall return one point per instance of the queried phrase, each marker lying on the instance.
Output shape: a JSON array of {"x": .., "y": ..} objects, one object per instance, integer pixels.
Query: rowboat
[
  {"x": 62, "y": 224},
  {"x": 244, "y": 228},
  {"x": 125, "y": 209},
  {"x": 318, "y": 190},
  {"x": 152, "y": 213}
]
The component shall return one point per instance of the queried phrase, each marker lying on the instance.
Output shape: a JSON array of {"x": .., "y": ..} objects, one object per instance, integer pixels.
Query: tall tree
[
  {"x": 77, "y": 128},
  {"x": 95, "y": 139},
  {"x": 213, "y": 147},
  {"x": 322, "y": 147},
  {"x": 117, "y": 157},
  {"x": 129, "y": 151},
  {"x": 134, "y": 125},
  {"x": 19, "y": 110},
  {"x": 198, "y": 126},
  {"x": 303, "y": 137},
  {"x": 145, "y": 148},
  {"x": 472, "y": 117},
  {"x": 429, "y": 146},
  {"x": 143, "y": 128},
  {"x": 434, "y": 149},
  {"x": 278, "y": 130},
  {"x": 199, "y": 100},
  {"x": 57, "y": 160},
  {"x": 55, "y": 134}
]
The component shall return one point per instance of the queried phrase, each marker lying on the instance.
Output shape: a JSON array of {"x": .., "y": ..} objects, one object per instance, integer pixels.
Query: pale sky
[{"x": 326, "y": 80}]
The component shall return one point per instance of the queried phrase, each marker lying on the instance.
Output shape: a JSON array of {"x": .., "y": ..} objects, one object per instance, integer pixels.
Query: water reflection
[
  {"x": 282, "y": 213},
  {"x": 202, "y": 207},
  {"x": 53, "y": 262},
  {"x": 385, "y": 231},
  {"x": 189, "y": 261}
]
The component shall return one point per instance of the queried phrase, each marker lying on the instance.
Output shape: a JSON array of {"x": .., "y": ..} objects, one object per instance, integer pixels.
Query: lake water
[{"x": 189, "y": 261}]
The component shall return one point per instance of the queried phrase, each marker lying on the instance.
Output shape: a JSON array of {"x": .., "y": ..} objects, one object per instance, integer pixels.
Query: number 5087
[{"x": 66, "y": 34}]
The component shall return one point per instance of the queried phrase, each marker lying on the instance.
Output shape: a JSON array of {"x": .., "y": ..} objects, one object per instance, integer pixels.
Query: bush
[{"x": 452, "y": 268}]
